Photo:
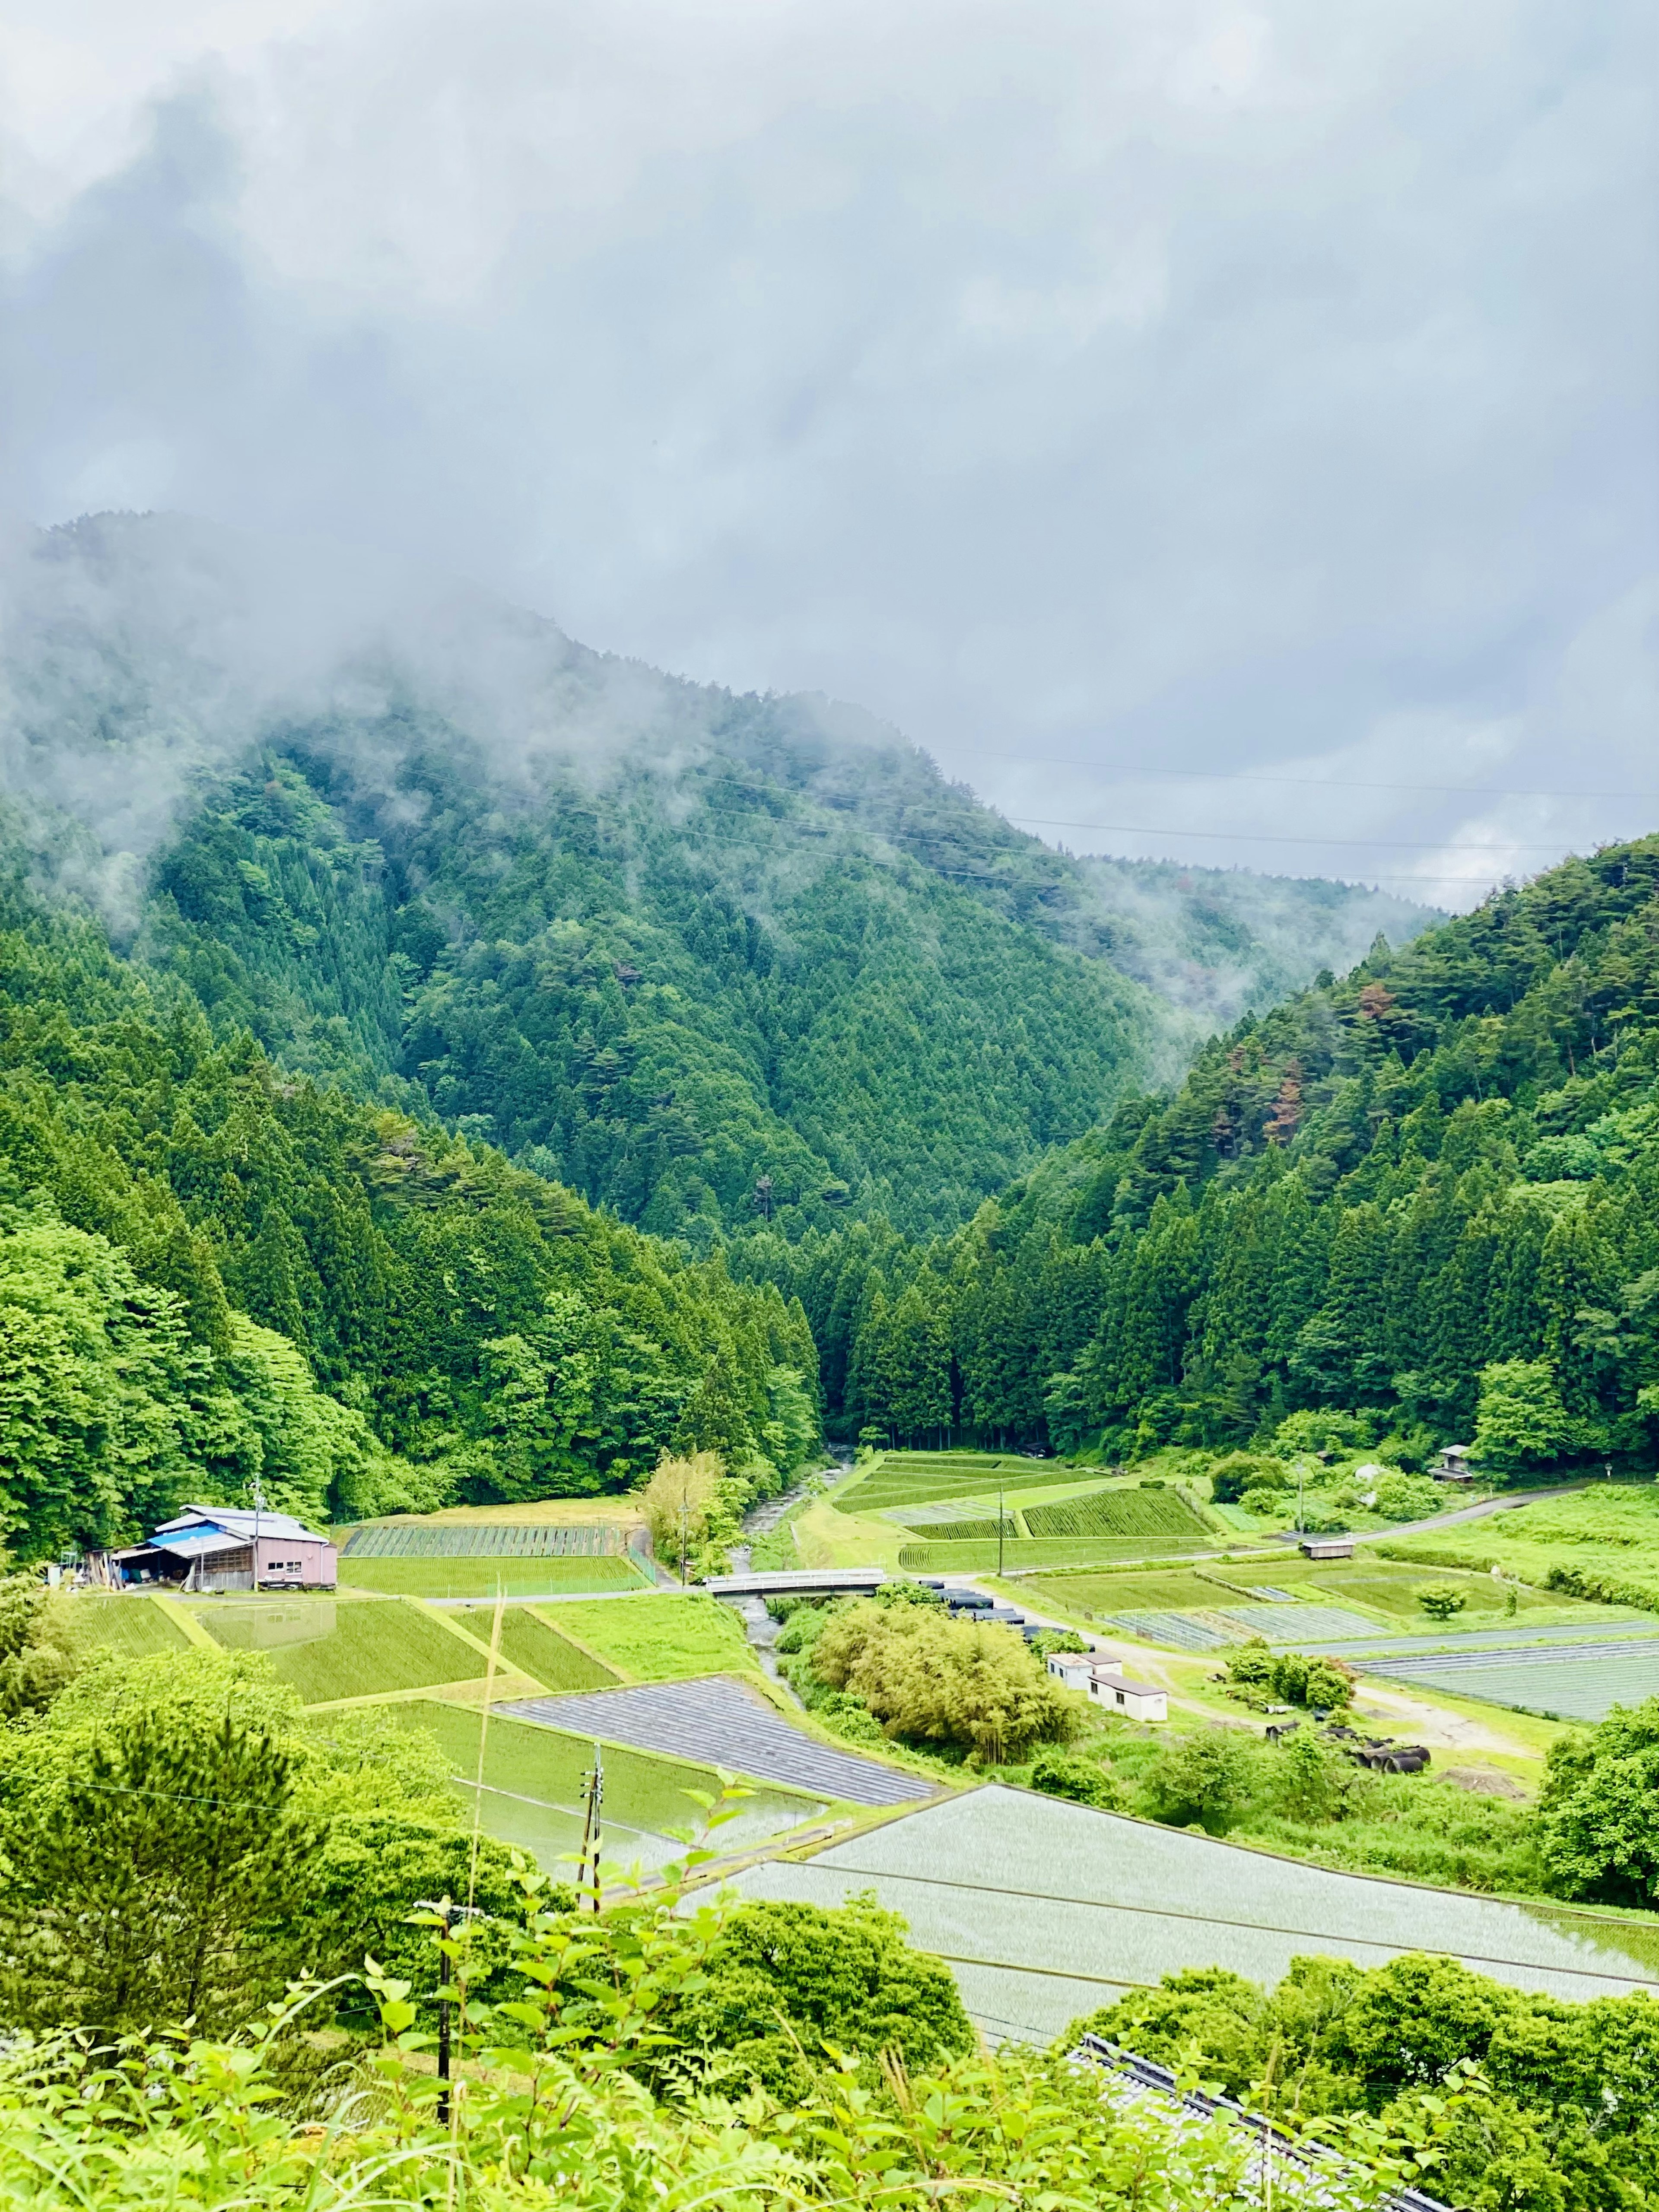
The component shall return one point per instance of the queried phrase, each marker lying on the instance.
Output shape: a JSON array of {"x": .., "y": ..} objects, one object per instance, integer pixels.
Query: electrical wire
[
  {"x": 1139, "y": 772},
  {"x": 1204, "y": 1919}
]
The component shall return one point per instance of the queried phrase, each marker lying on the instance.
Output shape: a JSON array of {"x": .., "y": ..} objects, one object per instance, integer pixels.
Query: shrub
[
  {"x": 1204, "y": 1779},
  {"x": 931, "y": 1679},
  {"x": 1322, "y": 1430},
  {"x": 1440, "y": 1600},
  {"x": 1083, "y": 1781},
  {"x": 1231, "y": 1477}
]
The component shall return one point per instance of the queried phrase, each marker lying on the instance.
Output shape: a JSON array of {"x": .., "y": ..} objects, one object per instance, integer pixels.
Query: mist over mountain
[{"x": 710, "y": 959}]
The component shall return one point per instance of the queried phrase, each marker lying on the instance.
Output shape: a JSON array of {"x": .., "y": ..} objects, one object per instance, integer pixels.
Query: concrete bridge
[{"x": 826, "y": 1582}]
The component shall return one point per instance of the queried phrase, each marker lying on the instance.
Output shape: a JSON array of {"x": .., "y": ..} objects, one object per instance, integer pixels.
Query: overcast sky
[{"x": 1097, "y": 389}]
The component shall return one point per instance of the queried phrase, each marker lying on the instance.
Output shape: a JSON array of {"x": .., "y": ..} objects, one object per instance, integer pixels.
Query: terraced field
[
  {"x": 1045, "y": 1911},
  {"x": 535, "y": 1646},
  {"x": 128, "y": 1627},
  {"x": 1022, "y": 1554},
  {"x": 331, "y": 1650},
  {"x": 1571, "y": 1680},
  {"x": 496, "y": 1540},
  {"x": 726, "y": 1725},
  {"x": 533, "y": 1780},
  {"x": 481, "y": 1574},
  {"x": 1158, "y": 1514}
]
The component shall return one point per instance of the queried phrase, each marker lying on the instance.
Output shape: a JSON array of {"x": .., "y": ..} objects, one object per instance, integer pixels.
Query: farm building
[
  {"x": 1104, "y": 1682},
  {"x": 226, "y": 1547},
  {"x": 1327, "y": 1547},
  {"x": 1453, "y": 1464}
]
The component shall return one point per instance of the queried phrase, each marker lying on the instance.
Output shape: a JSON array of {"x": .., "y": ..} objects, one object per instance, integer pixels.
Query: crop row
[
  {"x": 475, "y": 1539},
  {"x": 1120, "y": 1513}
]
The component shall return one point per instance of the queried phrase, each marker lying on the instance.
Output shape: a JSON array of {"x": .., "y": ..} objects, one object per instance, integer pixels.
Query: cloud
[{"x": 1258, "y": 390}]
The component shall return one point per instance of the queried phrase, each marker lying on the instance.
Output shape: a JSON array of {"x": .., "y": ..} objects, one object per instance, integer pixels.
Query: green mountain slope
[
  {"x": 713, "y": 961},
  {"x": 211, "y": 1270},
  {"x": 1430, "y": 1191}
]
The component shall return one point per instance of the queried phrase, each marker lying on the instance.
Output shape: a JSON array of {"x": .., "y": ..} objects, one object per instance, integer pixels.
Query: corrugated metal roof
[
  {"x": 240, "y": 1521},
  {"x": 199, "y": 1543}
]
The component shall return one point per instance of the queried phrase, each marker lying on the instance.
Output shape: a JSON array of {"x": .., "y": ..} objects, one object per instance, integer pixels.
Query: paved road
[
  {"x": 726, "y": 1725},
  {"x": 1507, "y": 1504}
]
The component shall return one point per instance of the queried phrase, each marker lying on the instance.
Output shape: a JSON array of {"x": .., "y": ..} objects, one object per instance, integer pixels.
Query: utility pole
[
  {"x": 1001, "y": 1526},
  {"x": 592, "y": 1826},
  {"x": 258, "y": 1507},
  {"x": 685, "y": 1518},
  {"x": 448, "y": 1913}
]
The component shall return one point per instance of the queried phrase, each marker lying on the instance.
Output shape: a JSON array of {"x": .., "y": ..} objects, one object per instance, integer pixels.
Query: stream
[{"x": 758, "y": 1626}]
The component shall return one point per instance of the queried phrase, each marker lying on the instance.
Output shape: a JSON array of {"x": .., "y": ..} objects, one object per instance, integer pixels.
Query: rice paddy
[
  {"x": 481, "y": 1575},
  {"x": 1046, "y": 1911},
  {"x": 658, "y": 1639},
  {"x": 128, "y": 1627},
  {"x": 536, "y": 1647},
  {"x": 534, "y": 1782},
  {"x": 729, "y": 1726},
  {"x": 330, "y": 1649},
  {"x": 1022, "y": 1555}
]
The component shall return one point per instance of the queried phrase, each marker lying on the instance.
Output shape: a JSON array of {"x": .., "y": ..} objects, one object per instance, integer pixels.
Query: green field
[
  {"x": 1391, "y": 1586},
  {"x": 466, "y": 1540},
  {"x": 1020, "y": 1555},
  {"x": 481, "y": 1578},
  {"x": 660, "y": 1639},
  {"x": 1123, "y": 1513},
  {"x": 330, "y": 1648},
  {"x": 912, "y": 1480},
  {"x": 534, "y": 1645},
  {"x": 129, "y": 1628},
  {"x": 1168, "y": 1591},
  {"x": 1610, "y": 1532},
  {"x": 641, "y": 1789}
]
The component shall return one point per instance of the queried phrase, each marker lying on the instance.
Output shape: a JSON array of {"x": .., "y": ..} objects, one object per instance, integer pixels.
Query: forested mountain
[
  {"x": 1430, "y": 1190},
  {"x": 211, "y": 1270},
  {"x": 712, "y": 961}
]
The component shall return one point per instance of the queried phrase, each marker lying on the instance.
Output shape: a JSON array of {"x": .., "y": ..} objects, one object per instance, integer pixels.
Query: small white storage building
[{"x": 1104, "y": 1682}]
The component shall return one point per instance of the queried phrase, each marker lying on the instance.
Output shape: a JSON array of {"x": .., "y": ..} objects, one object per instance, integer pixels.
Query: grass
[
  {"x": 535, "y": 1646},
  {"x": 1610, "y": 1530},
  {"x": 129, "y": 1627},
  {"x": 883, "y": 1485},
  {"x": 481, "y": 1577},
  {"x": 642, "y": 1789},
  {"x": 1391, "y": 1588},
  {"x": 662, "y": 1639},
  {"x": 330, "y": 1650}
]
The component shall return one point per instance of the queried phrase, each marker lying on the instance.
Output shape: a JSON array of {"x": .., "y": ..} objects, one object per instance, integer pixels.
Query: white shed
[{"x": 1104, "y": 1682}]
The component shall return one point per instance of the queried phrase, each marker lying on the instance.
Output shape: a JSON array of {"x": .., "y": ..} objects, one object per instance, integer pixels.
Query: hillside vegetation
[
  {"x": 708, "y": 960},
  {"x": 1424, "y": 1197},
  {"x": 210, "y": 1269}
]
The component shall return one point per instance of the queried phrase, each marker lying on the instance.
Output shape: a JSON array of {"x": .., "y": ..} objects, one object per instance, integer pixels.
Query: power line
[
  {"x": 1277, "y": 837},
  {"x": 1308, "y": 782},
  {"x": 1205, "y": 1919},
  {"x": 978, "y": 876}
]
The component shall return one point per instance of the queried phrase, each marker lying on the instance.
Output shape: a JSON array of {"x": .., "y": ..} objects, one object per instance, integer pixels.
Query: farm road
[{"x": 1507, "y": 1504}]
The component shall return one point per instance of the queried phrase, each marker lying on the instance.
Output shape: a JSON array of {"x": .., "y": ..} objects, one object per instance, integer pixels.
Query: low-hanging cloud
[{"x": 1265, "y": 390}]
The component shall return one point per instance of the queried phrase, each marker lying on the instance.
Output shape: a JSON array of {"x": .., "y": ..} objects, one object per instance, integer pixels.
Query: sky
[{"x": 1214, "y": 431}]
